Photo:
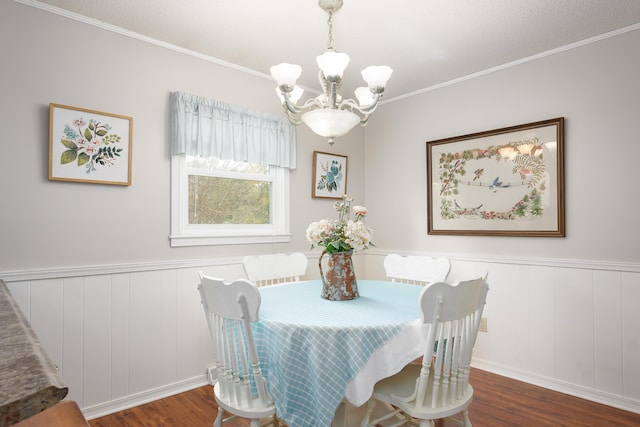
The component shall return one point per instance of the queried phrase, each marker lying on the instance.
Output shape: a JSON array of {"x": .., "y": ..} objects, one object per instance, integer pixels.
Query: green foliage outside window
[{"x": 215, "y": 200}]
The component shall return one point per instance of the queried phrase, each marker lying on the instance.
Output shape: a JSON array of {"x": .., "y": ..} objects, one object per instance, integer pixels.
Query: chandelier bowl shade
[{"x": 329, "y": 122}]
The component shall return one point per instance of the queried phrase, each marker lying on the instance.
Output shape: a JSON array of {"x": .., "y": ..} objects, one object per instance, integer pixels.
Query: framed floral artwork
[
  {"x": 329, "y": 177},
  {"x": 502, "y": 182},
  {"x": 89, "y": 146}
]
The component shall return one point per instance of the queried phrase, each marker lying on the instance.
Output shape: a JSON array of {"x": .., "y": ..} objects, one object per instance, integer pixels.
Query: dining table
[{"x": 316, "y": 353}]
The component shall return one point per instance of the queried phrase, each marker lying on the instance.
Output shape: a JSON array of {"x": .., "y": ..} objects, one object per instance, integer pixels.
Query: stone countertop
[{"x": 29, "y": 380}]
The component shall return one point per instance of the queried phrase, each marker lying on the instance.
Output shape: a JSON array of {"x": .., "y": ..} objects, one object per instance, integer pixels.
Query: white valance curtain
[{"x": 209, "y": 128}]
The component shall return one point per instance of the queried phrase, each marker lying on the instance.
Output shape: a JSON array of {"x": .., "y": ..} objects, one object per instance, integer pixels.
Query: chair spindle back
[
  {"x": 452, "y": 315},
  {"x": 415, "y": 269},
  {"x": 230, "y": 309},
  {"x": 271, "y": 269}
]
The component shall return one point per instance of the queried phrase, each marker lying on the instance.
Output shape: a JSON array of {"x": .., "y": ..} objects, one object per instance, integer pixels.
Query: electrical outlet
[{"x": 483, "y": 324}]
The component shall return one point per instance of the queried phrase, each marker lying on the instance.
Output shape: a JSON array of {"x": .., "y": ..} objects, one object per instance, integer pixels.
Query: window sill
[{"x": 180, "y": 241}]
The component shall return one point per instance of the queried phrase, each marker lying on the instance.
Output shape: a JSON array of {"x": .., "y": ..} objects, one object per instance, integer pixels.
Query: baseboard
[
  {"x": 582, "y": 392},
  {"x": 146, "y": 396}
]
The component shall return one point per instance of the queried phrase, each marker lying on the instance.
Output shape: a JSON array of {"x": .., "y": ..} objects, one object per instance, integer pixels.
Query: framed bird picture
[
  {"x": 329, "y": 177},
  {"x": 502, "y": 182}
]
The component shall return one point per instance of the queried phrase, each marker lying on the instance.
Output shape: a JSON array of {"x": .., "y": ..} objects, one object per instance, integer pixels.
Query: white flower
[
  {"x": 318, "y": 231},
  {"x": 357, "y": 235},
  {"x": 343, "y": 234}
]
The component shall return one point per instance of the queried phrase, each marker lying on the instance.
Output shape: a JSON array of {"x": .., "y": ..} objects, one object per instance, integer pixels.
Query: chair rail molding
[{"x": 501, "y": 259}]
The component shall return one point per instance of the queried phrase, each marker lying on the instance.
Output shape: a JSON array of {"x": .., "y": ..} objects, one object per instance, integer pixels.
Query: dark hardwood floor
[{"x": 498, "y": 402}]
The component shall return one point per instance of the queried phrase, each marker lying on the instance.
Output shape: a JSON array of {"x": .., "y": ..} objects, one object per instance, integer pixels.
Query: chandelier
[{"x": 328, "y": 114}]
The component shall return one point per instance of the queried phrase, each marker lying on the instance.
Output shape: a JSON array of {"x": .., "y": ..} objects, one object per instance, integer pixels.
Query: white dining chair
[
  {"x": 439, "y": 386},
  {"x": 271, "y": 269},
  {"x": 240, "y": 389},
  {"x": 416, "y": 269}
]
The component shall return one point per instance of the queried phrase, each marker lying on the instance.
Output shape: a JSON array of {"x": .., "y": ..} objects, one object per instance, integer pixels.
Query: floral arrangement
[
  {"x": 343, "y": 234},
  {"x": 89, "y": 146}
]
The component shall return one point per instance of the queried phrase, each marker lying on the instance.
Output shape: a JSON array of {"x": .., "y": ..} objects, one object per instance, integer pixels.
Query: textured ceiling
[{"x": 426, "y": 42}]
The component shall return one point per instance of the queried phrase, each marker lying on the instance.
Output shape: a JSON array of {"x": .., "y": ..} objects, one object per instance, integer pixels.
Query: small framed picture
[
  {"x": 89, "y": 146},
  {"x": 502, "y": 182},
  {"x": 329, "y": 179}
]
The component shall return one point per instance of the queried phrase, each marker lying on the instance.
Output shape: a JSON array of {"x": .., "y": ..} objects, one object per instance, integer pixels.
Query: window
[
  {"x": 229, "y": 173},
  {"x": 218, "y": 201},
  {"x": 227, "y": 192}
]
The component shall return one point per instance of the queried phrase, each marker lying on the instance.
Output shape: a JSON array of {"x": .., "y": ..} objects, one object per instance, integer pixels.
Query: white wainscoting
[
  {"x": 571, "y": 326},
  {"x": 575, "y": 330},
  {"x": 125, "y": 335}
]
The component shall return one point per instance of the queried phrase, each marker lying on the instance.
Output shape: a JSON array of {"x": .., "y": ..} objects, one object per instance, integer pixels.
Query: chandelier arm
[
  {"x": 353, "y": 105},
  {"x": 349, "y": 104},
  {"x": 293, "y": 119},
  {"x": 294, "y": 109},
  {"x": 292, "y": 116},
  {"x": 311, "y": 104},
  {"x": 294, "y": 112},
  {"x": 289, "y": 106},
  {"x": 362, "y": 113}
]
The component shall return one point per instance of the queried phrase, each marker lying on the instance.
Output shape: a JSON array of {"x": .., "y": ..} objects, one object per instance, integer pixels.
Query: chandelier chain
[{"x": 330, "y": 24}]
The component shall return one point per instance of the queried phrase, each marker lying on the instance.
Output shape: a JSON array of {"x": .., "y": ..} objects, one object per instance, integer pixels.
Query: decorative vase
[{"x": 339, "y": 280}]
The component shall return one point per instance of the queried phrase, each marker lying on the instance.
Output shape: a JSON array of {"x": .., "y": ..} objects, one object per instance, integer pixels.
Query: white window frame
[{"x": 185, "y": 234}]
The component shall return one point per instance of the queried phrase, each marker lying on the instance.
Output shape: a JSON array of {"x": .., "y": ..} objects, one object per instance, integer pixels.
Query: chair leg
[
  {"x": 271, "y": 421},
  {"x": 255, "y": 422},
  {"x": 218, "y": 421},
  {"x": 367, "y": 417},
  {"x": 390, "y": 407},
  {"x": 389, "y": 412},
  {"x": 467, "y": 421}
]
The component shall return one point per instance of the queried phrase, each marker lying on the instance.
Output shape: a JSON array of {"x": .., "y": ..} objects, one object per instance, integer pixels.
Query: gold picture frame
[
  {"x": 502, "y": 182},
  {"x": 89, "y": 146}
]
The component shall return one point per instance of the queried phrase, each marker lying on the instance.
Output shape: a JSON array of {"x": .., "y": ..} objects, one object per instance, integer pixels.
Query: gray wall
[
  {"x": 48, "y": 58},
  {"x": 594, "y": 86}
]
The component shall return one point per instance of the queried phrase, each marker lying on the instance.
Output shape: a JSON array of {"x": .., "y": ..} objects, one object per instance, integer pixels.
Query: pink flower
[
  {"x": 343, "y": 234},
  {"x": 360, "y": 210}
]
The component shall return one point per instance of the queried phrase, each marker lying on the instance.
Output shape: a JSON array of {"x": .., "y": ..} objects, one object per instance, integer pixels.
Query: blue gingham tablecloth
[{"x": 311, "y": 348}]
